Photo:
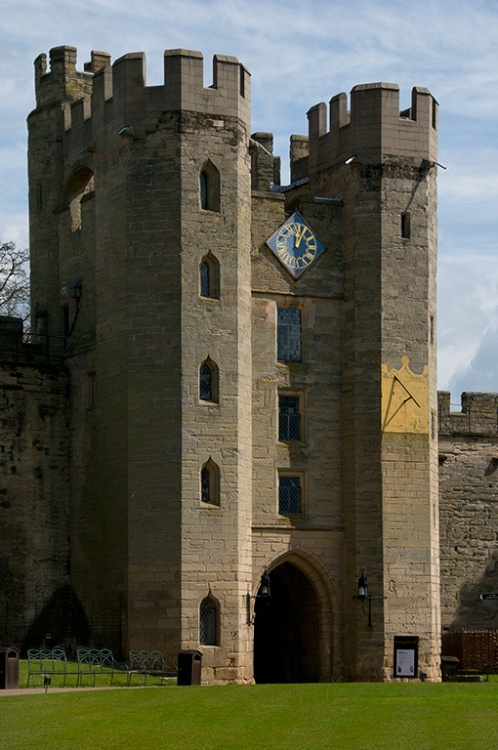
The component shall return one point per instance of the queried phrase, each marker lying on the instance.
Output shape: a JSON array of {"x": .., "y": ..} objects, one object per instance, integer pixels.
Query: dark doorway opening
[{"x": 286, "y": 632}]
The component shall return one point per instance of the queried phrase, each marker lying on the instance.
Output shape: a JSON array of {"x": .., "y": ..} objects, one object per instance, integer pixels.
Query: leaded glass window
[
  {"x": 204, "y": 279},
  {"x": 289, "y": 495},
  {"x": 208, "y": 635},
  {"x": 203, "y": 185},
  {"x": 289, "y": 335},
  {"x": 205, "y": 382},
  {"x": 209, "y": 277},
  {"x": 206, "y": 485},
  {"x": 289, "y": 427},
  {"x": 210, "y": 483},
  {"x": 209, "y": 381}
]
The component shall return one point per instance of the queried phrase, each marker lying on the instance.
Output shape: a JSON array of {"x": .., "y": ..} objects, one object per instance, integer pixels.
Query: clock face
[{"x": 295, "y": 245}]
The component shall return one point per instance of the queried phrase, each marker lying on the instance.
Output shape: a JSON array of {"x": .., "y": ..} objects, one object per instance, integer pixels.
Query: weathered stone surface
[
  {"x": 134, "y": 192},
  {"x": 468, "y": 457},
  {"x": 34, "y": 491}
]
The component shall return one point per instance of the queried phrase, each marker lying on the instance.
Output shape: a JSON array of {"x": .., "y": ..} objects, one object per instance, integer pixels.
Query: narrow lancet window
[
  {"x": 209, "y": 277},
  {"x": 405, "y": 226},
  {"x": 210, "y": 483},
  {"x": 208, "y": 381},
  {"x": 204, "y": 184},
  {"x": 208, "y": 622},
  {"x": 209, "y": 187}
]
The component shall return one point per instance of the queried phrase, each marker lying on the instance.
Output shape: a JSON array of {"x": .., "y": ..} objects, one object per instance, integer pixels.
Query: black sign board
[{"x": 488, "y": 596}]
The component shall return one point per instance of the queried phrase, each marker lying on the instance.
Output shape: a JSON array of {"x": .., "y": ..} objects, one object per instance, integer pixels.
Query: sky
[{"x": 300, "y": 53}]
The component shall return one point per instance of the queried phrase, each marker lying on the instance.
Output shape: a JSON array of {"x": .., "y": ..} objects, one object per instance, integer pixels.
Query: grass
[
  {"x": 347, "y": 716},
  {"x": 101, "y": 680}
]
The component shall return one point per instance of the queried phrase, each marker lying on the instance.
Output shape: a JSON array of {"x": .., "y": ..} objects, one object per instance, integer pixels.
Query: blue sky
[{"x": 300, "y": 53}]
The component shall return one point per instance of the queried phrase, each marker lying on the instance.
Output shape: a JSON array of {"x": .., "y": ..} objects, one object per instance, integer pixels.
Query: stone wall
[
  {"x": 468, "y": 475},
  {"x": 34, "y": 503},
  {"x": 122, "y": 227}
]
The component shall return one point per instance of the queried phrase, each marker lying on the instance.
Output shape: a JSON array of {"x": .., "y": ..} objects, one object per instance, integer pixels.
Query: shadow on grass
[{"x": 118, "y": 679}]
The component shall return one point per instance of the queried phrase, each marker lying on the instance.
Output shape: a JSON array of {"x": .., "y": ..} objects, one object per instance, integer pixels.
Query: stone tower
[
  {"x": 136, "y": 193},
  {"x": 233, "y": 409},
  {"x": 383, "y": 164}
]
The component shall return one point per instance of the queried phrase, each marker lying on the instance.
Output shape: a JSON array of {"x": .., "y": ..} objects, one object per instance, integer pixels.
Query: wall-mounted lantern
[
  {"x": 362, "y": 586},
  {"x": 363, "y": 596},
  {"x": 261, "y": 600}
]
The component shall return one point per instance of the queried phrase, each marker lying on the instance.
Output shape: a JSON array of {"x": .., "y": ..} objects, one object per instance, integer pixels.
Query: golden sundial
[{"x": 405, "y": 399}]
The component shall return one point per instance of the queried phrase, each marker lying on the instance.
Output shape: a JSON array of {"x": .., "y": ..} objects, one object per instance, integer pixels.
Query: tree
[{"x": 14, "y": 281}]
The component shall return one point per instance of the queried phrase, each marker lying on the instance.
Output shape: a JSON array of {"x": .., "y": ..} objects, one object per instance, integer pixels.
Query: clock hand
[{"x": 299, "y": 236}]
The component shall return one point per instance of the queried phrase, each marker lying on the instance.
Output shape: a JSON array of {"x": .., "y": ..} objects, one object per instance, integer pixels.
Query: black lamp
[
  {"x": 264, "y": 586},
  {"x": 363, "y": 595},
  {"x": 261, "y": 600},
  {"x": 362, "y": 586}
]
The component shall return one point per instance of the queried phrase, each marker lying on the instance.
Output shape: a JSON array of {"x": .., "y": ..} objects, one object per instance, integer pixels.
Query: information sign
[{"x": 406, "y": 656}]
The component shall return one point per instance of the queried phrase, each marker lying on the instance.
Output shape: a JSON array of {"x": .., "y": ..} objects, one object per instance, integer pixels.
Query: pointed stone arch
[
  {"x": 79, "y": 184},
  {"x": 209, "y": 277},
  {"x": 304, "y": 597},
  {"x": 209, "y": 616},
  {"x": 209, "y": 381},
  {"x": 209, "y": 187},
  {"x": 210, "y": 482}
]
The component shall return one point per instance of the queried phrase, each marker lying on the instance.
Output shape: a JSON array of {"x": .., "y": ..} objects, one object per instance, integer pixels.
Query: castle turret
[
  {"x": 382, "y": 161},
  {"x": 140, "y": 239}
]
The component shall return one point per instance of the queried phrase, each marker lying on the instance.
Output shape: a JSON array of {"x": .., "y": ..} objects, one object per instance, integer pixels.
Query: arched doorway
[{"x": 286, "y": 630}]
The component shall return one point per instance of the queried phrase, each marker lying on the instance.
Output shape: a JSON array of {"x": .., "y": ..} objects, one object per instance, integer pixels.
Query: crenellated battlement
[
  {"x": 372, "y": 130},
  {"x": 63, "y": 83},
  {"x": 124, "y": 83},
  {"x": 478, "y": 415}
]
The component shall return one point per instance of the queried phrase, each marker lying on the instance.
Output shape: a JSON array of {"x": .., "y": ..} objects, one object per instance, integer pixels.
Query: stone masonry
[
  {"x": 34, "y": 490},
  {"x": 468, "y": 469},
  {"x": 167, "y": 421}
]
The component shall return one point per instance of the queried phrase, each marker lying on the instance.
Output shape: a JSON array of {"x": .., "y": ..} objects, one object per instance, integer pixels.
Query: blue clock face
[{"x": 295, "y": 245}]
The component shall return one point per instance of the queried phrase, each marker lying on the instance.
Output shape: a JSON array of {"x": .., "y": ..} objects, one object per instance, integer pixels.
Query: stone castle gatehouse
[{"x": 228, "y": 377}]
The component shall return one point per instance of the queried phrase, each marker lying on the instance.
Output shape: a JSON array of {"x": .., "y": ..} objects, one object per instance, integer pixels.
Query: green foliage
[{"x": 415, "y": 716}]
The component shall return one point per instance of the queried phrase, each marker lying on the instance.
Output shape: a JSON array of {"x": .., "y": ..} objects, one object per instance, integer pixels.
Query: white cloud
[
  {"x": 482, "y": 369},
  {"x": 467, "y": 315},
  {"x": 14, "y": 228},
  {"x": 300, "y": 53}
]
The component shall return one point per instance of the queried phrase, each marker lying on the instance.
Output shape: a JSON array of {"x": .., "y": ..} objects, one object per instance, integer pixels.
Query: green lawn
[
  {"x": 417, "y": 716},
  {"x": 71, "y": 679}
]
